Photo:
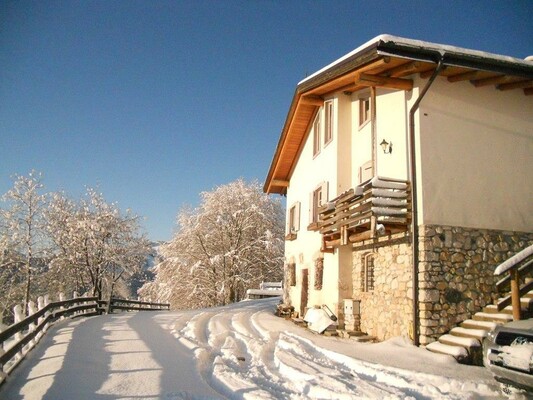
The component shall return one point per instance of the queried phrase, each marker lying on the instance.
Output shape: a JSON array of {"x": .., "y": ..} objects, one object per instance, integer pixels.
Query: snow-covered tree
[
  {"x": 22, "y": 232},
  {"x": 230, "y": 243},
  {"x": 95, "y": 244}
]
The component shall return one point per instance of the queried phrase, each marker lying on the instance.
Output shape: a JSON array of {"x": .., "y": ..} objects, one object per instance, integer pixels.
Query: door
[{"x": 304, "y": 292}]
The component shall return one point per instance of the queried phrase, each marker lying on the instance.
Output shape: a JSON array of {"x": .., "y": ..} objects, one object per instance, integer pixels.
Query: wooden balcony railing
[{"x": 380, "y": 206}]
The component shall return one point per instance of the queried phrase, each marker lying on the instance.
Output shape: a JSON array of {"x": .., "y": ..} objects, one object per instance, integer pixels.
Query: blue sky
[{"x": 157, "y": 101}]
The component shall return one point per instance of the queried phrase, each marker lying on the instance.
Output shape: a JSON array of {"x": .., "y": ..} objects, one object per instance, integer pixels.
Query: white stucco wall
[
  {"x": 476, "y": 157},
  {"x": 391, "y": 125},
  {"x": 308, "y": 174},
  {"x": 361, "y": 151}
]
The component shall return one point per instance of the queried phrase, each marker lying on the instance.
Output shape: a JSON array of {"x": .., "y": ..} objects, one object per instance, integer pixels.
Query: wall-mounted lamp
[{"x": 386, "y": 146}]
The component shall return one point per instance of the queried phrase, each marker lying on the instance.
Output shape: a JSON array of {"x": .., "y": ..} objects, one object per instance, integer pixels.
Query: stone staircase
[{"x": 464, "y": 342}]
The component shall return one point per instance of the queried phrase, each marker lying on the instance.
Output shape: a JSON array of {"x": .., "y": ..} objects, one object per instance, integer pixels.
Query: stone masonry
[
  {"x": 386, "y": 310},
  {"x": 456, "y": 273},
  {"x": 456, "y": 279}
]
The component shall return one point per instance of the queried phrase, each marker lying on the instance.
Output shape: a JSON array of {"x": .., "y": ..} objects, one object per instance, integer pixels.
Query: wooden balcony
[{"x": 378, "y": 207}]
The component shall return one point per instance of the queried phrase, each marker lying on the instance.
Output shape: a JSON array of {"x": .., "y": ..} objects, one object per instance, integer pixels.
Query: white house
[{"x": 407, "y": 168}]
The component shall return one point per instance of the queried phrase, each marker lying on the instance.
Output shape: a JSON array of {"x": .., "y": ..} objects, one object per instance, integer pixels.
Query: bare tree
[{"x": 231, "y": 242}]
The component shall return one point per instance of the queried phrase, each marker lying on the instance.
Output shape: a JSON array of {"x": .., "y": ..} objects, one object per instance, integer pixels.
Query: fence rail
[
  {"x": 18, "y": 339},
  {"x": 135, "y": 305},
  {"x": 517, "y": 268}
]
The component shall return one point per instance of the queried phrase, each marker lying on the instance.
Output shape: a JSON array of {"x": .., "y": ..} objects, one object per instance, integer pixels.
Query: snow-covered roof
[
  {"x": 390, "y": 62},
  {"x": 420, "y": 45}
]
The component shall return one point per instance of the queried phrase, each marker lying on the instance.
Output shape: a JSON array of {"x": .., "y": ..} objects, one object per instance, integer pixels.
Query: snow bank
[{"x": 240, "y": 351}]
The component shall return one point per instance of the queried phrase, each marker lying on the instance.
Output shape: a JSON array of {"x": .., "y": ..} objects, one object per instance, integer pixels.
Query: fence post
[
  {"x": 109, "y": 307},
  {"x": 75, "y": 296},
  {"x": 32, "y": 326},
  {"x": 19, "y": 316},
  {"x": 62, "y": 298},
  {"x": 515, "y": 293},
  {"x": 46, "y": 314},
  {"x": 40, "y": 306}
]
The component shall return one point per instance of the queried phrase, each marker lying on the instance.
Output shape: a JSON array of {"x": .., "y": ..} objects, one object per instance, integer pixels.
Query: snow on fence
[
  {"x": 18, "y": 339},
  {"x": 518, "y": 267},
  {"x": 134, "y": 305}
]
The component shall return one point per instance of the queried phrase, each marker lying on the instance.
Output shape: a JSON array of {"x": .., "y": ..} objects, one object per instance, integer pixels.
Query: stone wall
[
  {"x": 386, "y": 309},
  {"x": 456, "y": 273},
  {"x": 456, "y": 279}
]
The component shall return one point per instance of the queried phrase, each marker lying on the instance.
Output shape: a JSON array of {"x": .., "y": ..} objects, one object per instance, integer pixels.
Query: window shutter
[
  {"x": 311, "y": 201},
  {"x": 325, "y": 194},
  {"x": 297, "y": 216}
]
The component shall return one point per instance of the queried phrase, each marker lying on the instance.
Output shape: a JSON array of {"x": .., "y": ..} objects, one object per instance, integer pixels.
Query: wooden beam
[
  {"x": 528, "y": 91},
  {"x": 346, "y": 79},
  {"x": 464, "y": 76},
  {"x": 515, "y": 85},
  {"x": 404, "y": 69},
  {"x": 279, "y": 183},
  {"x": 312, "y": 101},
  {"x": 495, "y": 80},
  {"x": 427, "y": 74},
  {"x": 375, "y": 65},
  {"x": 359, "y": 237},
  {"x": 383, "y": 81}
]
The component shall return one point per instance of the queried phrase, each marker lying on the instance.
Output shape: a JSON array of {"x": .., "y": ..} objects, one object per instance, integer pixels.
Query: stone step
[
  {"x": 457, "y": 352},
  {"x": 452, "y": 340},
  {"x": 526, "y": 304},
  {"x": 478, "y": 334},
  {"x": 350, "y": 333},
  {"x": 484, "y": 325},
  {"x": 363, "y": 339},
  {"x": 492, "y": 309},
  {"x": 498, "y": 318}
]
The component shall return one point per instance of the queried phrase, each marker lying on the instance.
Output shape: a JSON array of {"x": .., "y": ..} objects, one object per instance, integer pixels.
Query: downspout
[{"x": 414, "y": 198}]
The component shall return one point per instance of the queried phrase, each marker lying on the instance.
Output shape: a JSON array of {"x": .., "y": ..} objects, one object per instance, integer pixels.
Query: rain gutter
[{"x": 414, "y": 197}]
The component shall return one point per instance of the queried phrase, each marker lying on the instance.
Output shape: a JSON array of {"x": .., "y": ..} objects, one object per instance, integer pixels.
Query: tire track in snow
[{"x": 258, "y": 372}]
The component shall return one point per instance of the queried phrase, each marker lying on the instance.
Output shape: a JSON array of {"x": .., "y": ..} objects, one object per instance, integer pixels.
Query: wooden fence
[{"x": 18, "y": 339}]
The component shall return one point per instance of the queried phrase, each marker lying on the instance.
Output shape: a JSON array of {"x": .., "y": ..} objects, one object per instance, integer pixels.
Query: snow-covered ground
[{"x": 237, "y": 352}]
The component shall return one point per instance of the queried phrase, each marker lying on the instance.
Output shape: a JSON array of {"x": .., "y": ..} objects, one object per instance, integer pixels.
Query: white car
[{"x": 508, "y": 353}]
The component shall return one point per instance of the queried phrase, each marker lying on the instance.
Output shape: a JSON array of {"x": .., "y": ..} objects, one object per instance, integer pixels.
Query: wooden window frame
[
  {"x": 328, "y": 122},
  {"x": 317, "y": 198},
  {"x": 316, "y": 135},
  {"x": 365, "y": 110},
  {"x": 367, "y": 272},
  {"x": 293, "y": 221}
]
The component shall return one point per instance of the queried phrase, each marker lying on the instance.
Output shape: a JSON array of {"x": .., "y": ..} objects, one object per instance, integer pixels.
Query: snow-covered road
[{"x": 239, "y": 351}]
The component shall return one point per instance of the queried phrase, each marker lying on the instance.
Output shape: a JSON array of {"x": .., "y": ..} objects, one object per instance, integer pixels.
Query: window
[
  {"x": 293, "y": 221},
  {"x": 328, "y": 123},
  {"x": 317, "y": 199},
  {"x": 364, "y": 110},
  {"x": 316, "y": 135},
  {"x": 291, "y": 274},
  {"x": 319, "y": 273},
  {"x": 367, "y": 272}
]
